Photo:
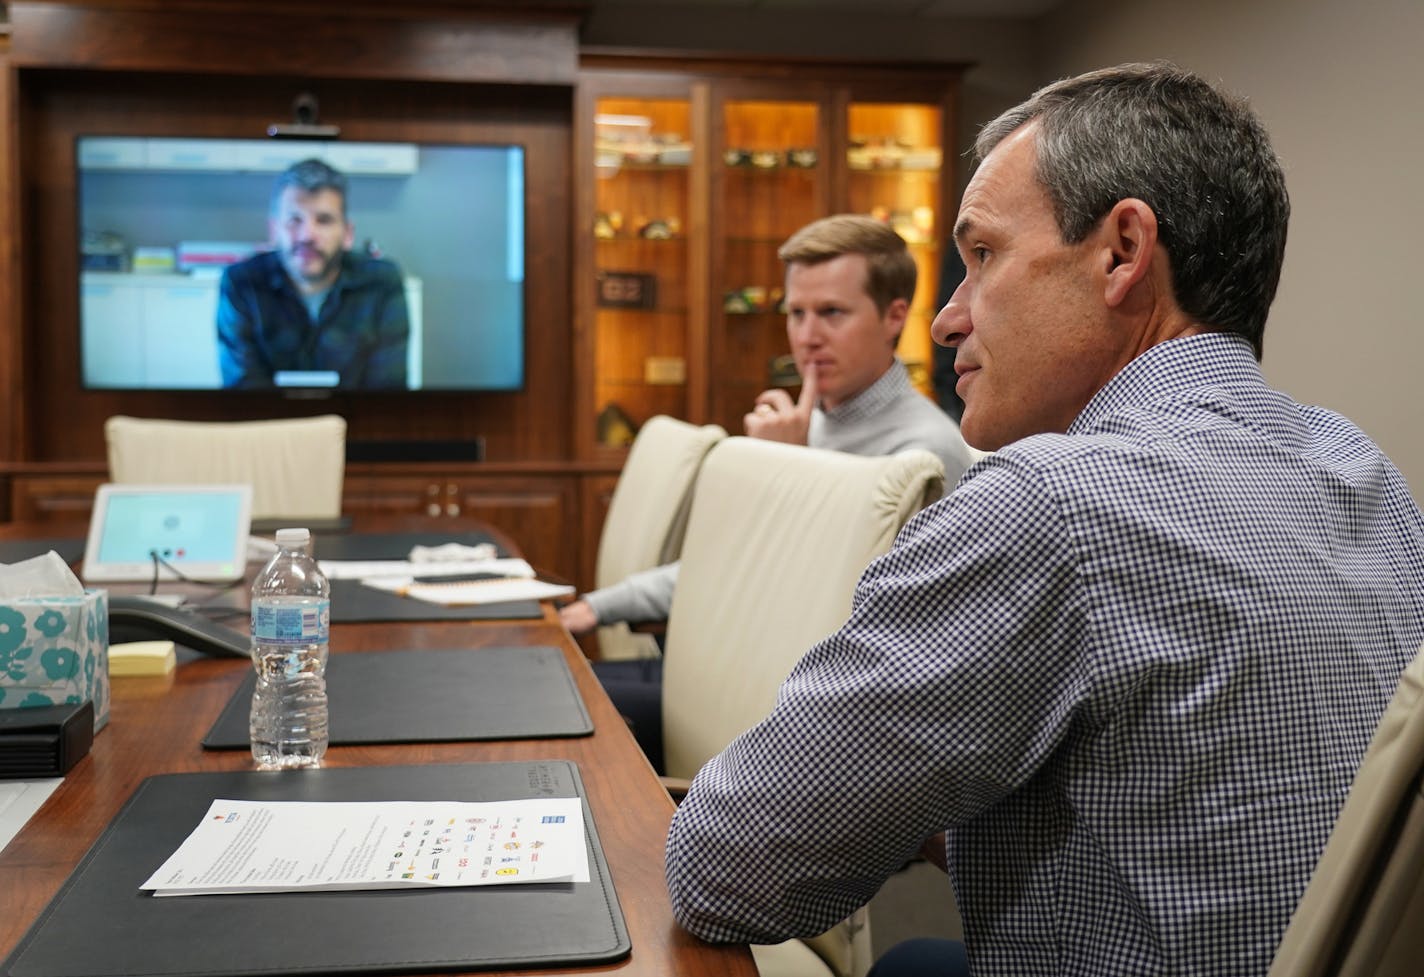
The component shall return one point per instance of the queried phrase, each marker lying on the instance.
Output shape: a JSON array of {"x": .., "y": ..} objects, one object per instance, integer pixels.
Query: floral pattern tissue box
[{"x": 55, "y": 650}]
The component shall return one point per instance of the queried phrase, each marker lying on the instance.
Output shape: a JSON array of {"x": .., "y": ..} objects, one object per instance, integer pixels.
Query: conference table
[{"x": 156, "y": 726}]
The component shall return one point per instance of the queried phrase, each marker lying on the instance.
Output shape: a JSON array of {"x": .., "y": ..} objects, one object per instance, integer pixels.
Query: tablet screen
[{"x": 194, "y": 531}]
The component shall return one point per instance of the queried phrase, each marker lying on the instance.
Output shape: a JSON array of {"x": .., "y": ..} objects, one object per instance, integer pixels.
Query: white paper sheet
[
  {"x": 19, "y": 800},
  {"x": 287, "y": 846},
  {"x": 362, "y": 569},
  {"x": 457, "y": 593}
]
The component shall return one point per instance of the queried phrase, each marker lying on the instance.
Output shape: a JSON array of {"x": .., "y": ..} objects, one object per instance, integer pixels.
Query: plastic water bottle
[{"x": 291, "y": 615}]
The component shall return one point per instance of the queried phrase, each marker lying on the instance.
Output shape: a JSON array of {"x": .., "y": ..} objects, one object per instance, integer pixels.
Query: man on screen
[{"x": 311, "y": 312}]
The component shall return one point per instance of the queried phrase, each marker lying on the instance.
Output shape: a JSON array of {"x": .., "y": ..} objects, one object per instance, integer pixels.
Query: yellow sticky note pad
[{"x": 142, "y": 658}]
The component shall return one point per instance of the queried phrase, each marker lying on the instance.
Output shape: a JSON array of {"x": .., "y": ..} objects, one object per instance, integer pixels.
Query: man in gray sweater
[{"x": 849, "y": 283}]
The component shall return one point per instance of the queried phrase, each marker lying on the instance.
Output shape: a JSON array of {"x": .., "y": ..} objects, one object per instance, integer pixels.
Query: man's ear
[
  {"x": 1130, "y": 233},
  {"x": 893, "y": 320}
]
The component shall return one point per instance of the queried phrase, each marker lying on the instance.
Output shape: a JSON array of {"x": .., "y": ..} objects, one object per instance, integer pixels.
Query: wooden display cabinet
[
  {"x": 770, "y": 179},
  {"x": 642, "y": 167},
  {"x": 640, "y": 239},
  {"x": 894, "y": 165},
  {"x": 740, "y": 154}
]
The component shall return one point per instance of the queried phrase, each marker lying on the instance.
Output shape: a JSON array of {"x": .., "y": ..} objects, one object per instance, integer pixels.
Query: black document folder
[
  {"x": 352, "y": 601},
  {"x": 100, "y": 924},
  {"x": 389, "y": 546},
  {"x": 435, "y": 696},
  {"x": 15, "y": 550}
]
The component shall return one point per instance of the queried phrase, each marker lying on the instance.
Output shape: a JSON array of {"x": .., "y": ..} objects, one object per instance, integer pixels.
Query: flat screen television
[{"x": 164, "y": 222}]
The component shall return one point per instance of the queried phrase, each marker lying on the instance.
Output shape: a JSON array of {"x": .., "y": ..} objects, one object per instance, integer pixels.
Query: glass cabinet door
[
  {"x": 769, "y": 181},
  {"x": 642, "y": 161},
  {"x": 894, "y": 164}
]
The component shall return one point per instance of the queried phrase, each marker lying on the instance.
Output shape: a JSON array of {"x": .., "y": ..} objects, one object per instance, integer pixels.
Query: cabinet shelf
[
  {"x": 662, "y": 310},
  {"x": 896, "y": 172},
  {"x": 639, "y": 239},
  {"x": 611, "y": 170},
  {"x": 773, "y": 241}
]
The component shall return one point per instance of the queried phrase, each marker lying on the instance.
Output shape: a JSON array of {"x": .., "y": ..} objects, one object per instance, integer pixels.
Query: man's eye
[{"x": 981, "y": 253}]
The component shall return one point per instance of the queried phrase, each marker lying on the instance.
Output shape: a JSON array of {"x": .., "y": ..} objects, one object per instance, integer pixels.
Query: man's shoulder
[
  {"x": 365, "y": 269},
  {"x": 923, "y": 424},
  {"x": 255, "y": 268}
]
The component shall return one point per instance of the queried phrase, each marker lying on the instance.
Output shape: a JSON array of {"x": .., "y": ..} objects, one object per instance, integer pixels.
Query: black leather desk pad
[
  {"x": 388, "y": 546},
  {"x": 353, "y": 602},
  {"x": 100, "y": 924},
  {"x": 433, "y": 697},
  {"x": 70, "y": 550}
]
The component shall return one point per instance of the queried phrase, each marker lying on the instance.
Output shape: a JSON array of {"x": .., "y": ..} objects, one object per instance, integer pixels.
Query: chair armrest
[
  {"x": 655, "y": 628},
  {"x": 676, "y": 786}
]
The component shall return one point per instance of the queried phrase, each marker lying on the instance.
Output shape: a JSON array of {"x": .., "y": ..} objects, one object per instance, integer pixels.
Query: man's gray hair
[
  {"x": 1198, "y": 157},
  {"x": 310, "y": 176}
]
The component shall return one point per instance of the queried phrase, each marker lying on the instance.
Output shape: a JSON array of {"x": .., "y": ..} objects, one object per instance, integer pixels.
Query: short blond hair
[{"x": 891, "y": 271}]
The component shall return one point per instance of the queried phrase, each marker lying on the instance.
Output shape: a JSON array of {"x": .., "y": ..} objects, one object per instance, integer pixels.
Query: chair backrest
[
  {"x": 776, "y": 540},
  {"x": 295, "y": 467},
  {"x": 1362, "y": 914},
  {"x": 647, "y": 515}
]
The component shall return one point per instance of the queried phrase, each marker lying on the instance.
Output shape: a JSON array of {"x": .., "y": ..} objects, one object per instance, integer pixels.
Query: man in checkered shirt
[{"x": 1122, "y": 676}]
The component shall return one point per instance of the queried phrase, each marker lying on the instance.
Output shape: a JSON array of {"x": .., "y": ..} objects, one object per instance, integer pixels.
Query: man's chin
[
  {"x": 311, "y": 275},
  {"x": 978, "y": 435}
]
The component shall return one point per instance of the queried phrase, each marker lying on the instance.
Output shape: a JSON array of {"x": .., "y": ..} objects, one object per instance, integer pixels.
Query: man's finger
[
  {"x": 775, "y": 398},
  {"x": 807, "y": 400}
]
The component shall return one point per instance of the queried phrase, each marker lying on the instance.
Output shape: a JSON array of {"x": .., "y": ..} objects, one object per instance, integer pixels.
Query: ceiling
[{"x": 922, "y": 8}]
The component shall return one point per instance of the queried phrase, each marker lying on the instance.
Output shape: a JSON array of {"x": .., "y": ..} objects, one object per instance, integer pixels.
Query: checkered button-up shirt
[{"x": 1130, "y": 670}]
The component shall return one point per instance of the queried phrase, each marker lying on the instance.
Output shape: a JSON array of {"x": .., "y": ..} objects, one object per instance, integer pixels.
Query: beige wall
[{"x": 1339, "y": 86}]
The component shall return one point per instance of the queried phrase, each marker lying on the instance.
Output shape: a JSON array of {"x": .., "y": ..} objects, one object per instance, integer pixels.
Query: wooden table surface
[{"x": 156, "y": 726}]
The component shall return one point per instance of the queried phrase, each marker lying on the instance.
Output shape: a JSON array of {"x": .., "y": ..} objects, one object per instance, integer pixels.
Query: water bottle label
[{"x": 291, "y": 624}]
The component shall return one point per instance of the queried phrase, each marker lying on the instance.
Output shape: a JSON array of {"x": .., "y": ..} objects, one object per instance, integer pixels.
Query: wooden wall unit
[
  {"x": 438, "y": 71},
  {"x": 115, "y": 92},
  {"x": 539, "y": 511}
]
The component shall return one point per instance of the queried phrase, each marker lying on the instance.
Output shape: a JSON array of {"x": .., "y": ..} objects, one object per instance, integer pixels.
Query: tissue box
[{"x": 55, "y": 650}]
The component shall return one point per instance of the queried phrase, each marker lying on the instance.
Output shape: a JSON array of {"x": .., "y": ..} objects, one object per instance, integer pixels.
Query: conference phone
[{"x": 137, "y": 618}]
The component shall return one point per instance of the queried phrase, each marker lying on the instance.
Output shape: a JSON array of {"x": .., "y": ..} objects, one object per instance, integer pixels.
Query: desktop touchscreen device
[{"x": 193, "y": 532}]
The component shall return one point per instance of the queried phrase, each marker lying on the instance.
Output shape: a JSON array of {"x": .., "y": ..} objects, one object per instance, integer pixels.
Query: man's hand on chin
[{"x": 776, "y": 417}]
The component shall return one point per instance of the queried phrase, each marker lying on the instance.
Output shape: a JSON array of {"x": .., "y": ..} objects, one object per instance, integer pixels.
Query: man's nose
[
  {"x": 951, "y": 326},
  {"x": 807, "y": 330}
]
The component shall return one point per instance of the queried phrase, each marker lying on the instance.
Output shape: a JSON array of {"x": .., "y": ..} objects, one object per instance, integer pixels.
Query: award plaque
[{"x": 627, "y": 290}]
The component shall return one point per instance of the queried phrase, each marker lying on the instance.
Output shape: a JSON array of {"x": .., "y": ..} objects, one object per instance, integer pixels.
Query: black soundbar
[{"x": 420, "y": 450}]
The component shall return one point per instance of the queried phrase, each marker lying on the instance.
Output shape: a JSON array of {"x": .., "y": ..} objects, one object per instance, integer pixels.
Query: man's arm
[
  {"x": 239, "y": 358},
  {"x": 642, "y": 596},
  {"x": 390, "y": 322},
  {"x": 917, "y": 715}
]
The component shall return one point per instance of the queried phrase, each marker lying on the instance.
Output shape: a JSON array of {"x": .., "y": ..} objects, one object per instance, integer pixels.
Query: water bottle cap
[{"x": 293, "y": 537}]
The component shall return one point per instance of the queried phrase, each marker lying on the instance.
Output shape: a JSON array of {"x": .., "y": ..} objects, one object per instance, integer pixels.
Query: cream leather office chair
[
  {"x": 295, "y": 466},
  {"x": 648, "y": 515},
  {"x": 776, "y": 540},
  {"x": 1363, "y": 912}
]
